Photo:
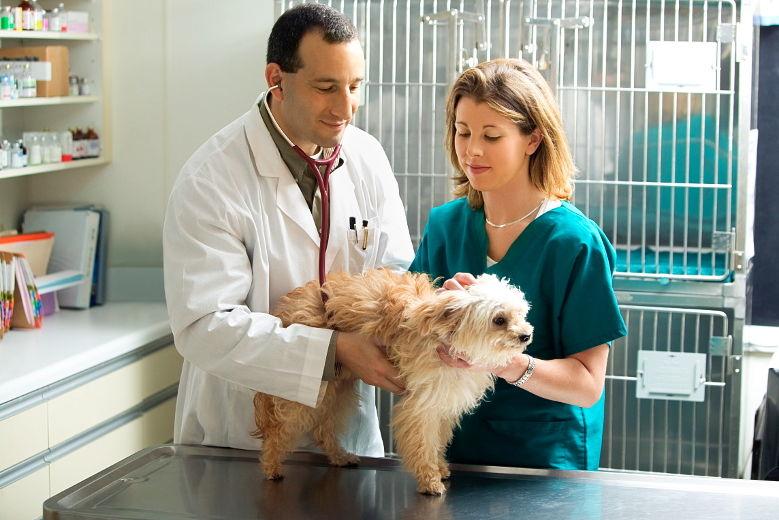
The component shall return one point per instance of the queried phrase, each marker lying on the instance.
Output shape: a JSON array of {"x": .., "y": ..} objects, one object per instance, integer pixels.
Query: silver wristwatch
[{"x": 531, "y": 365}]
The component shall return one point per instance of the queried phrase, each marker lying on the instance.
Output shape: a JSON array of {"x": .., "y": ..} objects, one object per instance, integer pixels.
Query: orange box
[
  {"x": 59, "y": 57},
  {"x": 36, "y": 247}
]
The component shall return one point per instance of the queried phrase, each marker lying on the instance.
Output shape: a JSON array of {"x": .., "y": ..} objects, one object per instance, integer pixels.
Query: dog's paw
[
  {"x": 273, "y": 472},
  {"x": 344, "y": 459},
  {"x": 445, "y": 472},
  {"x": 432, "y": 487}
]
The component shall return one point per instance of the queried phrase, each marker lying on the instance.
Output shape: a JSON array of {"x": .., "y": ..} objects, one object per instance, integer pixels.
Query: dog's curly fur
[{"x": 485, "y": 325}]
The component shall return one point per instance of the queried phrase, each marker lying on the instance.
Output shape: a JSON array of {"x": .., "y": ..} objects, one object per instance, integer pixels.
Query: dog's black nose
[{"x": 524, "y": 338}]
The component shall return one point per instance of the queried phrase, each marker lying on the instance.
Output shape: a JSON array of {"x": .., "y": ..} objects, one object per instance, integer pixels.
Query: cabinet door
[
  {"x": 23, "y": 500},
  {"x": 153, "y": 427},
  {"x": 23, "y": 435},
  {"x": 110, "y": 395}
]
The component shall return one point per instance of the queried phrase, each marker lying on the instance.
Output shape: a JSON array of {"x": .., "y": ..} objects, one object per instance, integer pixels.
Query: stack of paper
[
  {"x": 7, "y": 284},
  {"x": 21, "y": 302}
]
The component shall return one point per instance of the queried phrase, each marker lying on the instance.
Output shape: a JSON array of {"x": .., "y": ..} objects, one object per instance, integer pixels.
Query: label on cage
[
  {"x": 682, "y": 66},
  {"x": 677, "y": 376}
]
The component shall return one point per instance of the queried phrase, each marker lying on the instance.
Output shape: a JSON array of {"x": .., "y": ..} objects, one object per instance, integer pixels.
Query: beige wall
[{"x": 180, "y": 70}]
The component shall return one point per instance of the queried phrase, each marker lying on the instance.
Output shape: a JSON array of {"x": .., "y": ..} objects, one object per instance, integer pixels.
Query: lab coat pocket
[{"x": 363, "y": 245}]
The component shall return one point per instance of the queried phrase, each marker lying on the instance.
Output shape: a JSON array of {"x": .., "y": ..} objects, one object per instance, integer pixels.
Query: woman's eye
[
  {"x": 461, "y": 134},
  {"x": 491, "y": 137},
  {"x": 499, "y": 321},
  {"x": 325, "y": 90}
]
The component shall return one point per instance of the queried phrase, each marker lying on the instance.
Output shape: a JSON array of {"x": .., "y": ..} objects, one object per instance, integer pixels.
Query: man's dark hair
[{"x": 291, "y": 26}]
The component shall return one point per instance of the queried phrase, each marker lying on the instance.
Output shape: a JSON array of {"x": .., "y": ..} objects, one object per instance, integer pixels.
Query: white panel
[
  {"x": 671, "y": 375},
  {"x": 112, "y": 394},
  {"x": 682, "y": 66},
  {"x": 23, "y": 435},
  {"x": 23, "y": 500}
]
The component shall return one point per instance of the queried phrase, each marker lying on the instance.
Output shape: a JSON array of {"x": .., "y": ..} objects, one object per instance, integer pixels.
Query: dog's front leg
[
  {"x": 446, "y": 432},
  {"x": 419, "y": 444}
]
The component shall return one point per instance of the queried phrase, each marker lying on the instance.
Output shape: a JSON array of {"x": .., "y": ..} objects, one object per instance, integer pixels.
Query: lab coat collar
[{"x": 268, "y": 163}]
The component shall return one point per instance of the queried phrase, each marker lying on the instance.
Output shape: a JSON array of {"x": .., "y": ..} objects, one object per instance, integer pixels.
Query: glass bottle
[
  {"x": 5, "y": 88},
  {"x": 17, "y": 18},
  {"x": 63, "y": 18},
  {"x": 5, "y": 154},
  {"x": 56, "y": 148},
  {"x": 35, "y": 151},
  {"x": 73, "y": 86},
  {"x": 14, "y": 87},
  {"x": 93, "y": 143},
  {"x": 37, "y": 15},
  {"x": 6, "y": 19},
  {"x": 45, "y": 149},
  {"x": 66, "y": 142},
  {"x": 17, "y": 159},
  {"x": 28, "y": 23},
  {"x": 54, "y": 20}
]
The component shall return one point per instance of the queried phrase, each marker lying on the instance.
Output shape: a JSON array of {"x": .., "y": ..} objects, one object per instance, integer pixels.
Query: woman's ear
[{"x": 535, "y": 141}]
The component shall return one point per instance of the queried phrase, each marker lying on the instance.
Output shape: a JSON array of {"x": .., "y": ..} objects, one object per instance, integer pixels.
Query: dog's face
[{"x": 485, "y": 324}]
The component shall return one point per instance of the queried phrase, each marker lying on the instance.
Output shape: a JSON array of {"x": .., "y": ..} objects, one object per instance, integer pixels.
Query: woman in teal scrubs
[{"x": 512, "y": 218}]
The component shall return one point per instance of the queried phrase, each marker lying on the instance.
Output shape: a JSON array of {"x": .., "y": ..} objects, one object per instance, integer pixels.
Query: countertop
[{"x": 72, "y": 341}]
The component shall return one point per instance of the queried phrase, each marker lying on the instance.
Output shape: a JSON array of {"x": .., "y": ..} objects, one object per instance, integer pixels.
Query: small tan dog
[{"x": 484, "y": 325}]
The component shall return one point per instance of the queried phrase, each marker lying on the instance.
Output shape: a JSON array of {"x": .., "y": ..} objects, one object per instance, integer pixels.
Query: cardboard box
[{"x": 59, "y": 58}]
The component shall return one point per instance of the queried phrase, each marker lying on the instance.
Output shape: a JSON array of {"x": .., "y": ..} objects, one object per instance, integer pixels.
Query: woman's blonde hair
[{"x": 517, "y": 91}]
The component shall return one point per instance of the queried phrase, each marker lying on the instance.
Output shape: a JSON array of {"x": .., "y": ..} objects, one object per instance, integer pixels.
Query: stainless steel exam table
[{"x": 185, "y": 482}]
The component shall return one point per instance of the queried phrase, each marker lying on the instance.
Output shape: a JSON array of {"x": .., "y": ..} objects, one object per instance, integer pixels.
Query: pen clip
[
  {"x": 353, "y": 227},
  {"x": 364, "y": 235}
]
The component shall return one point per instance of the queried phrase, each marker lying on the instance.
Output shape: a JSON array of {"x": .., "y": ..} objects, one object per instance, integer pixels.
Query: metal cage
[{"x": 661, "y": 158}]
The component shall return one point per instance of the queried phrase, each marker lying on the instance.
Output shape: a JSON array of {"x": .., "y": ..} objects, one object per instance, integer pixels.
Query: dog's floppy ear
[{"x": 438, "y": 314}]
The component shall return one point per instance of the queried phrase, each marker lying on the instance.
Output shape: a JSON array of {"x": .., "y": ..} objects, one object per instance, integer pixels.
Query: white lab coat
[{"x": 238, "y": 235}]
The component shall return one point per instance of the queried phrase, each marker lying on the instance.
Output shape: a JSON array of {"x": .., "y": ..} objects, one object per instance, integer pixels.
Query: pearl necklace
[{"x": 507, "y": 224}]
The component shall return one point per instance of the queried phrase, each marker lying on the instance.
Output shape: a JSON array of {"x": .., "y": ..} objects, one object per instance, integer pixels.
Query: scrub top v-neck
[{"x": 564, "y": 264}]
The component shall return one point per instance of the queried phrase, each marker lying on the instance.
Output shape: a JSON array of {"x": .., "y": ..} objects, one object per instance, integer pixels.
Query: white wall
[{"x": 181, "y": 70}]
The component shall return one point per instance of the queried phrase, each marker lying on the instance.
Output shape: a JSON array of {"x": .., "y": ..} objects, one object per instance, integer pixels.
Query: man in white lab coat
[{"x": 242, "y": 229}]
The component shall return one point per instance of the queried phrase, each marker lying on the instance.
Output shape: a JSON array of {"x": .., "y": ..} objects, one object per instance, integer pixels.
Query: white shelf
[
  {"x": 47, "y": 101},
  {"x": 40, "y": 35},
  {"x": 54, "y": 167}
]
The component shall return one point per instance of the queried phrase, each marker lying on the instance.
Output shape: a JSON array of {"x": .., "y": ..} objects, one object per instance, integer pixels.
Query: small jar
[
  {"x": 73, "y": 86},
  {"x": 83, "y": 87}
]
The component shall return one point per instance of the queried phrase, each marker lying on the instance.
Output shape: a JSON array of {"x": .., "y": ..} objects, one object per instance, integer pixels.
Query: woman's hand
[
  {"x": 519, "y": 365},
  {"x": 459, "y": 282}
]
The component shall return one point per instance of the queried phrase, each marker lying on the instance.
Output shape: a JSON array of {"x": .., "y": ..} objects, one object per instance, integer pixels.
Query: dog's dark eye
[{"x": 499, "y": 321}]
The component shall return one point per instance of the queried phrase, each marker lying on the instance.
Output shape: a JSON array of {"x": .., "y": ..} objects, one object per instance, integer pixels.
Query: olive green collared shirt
[{"x": 306, "y": 181}]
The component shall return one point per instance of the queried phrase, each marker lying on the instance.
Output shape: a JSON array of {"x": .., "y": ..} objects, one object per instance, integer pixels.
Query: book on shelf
[
  {"x": 97, "y": 279},
  {"x": 75, "y": 248},
  {"x": 21, "y": 303}
]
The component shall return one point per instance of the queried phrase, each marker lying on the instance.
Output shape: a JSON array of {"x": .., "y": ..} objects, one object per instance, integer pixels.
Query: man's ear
[
  {"x": 273, "y": 74},
  {"x": 440, "y": 313}
]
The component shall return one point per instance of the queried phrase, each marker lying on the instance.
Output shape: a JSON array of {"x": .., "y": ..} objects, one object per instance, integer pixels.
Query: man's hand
[{"x": 366, "y": 359}]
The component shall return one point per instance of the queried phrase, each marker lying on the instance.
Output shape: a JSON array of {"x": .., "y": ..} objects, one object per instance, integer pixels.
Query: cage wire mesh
[{"x": 656, "y": 153}]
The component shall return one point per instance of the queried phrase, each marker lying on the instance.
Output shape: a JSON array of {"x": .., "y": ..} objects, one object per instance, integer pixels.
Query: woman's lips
[{"x": 476, "y": 170}]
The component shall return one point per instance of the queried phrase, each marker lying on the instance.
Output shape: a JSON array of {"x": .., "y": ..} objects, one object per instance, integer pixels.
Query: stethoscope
[{"x": 321, "y": 168}]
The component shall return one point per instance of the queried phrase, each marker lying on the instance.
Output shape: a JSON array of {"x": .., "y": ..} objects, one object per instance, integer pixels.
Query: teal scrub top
[{"x": 564, "y": 264}]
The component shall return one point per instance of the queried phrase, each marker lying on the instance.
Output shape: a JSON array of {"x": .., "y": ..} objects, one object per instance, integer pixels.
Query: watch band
[{"x": 531, "y": 365}]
